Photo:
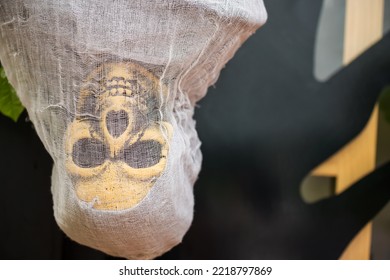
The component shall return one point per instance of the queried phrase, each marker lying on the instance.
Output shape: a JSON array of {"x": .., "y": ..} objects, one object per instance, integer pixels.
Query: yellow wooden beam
[
  {"x": 357, "y": 160},
  {"x": 363, "y": 28},
  {"x": 329, "y": 168}
]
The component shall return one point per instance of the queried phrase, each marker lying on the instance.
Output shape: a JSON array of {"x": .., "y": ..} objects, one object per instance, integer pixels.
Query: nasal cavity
[{"x": 117, "y": 122}]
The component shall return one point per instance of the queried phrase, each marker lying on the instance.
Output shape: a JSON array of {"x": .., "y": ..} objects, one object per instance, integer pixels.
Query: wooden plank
[
  {"x": 327, "y": 169},
  {"x": 363, "y": 28},
  {"x": 357, "y": 160}
]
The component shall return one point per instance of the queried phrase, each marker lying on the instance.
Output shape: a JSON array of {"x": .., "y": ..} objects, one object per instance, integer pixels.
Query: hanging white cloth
[{"x": 110, "y": 87}]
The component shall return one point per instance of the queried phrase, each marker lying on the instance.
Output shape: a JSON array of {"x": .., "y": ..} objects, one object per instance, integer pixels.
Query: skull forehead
[
  {"x": 124, "y": 71},
  {"x": 119, "y": 102},
  {"x": 123, "y": 84}
]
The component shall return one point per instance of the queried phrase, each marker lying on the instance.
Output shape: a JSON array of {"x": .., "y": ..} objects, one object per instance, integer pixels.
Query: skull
[{"x": 118, "y": 143}]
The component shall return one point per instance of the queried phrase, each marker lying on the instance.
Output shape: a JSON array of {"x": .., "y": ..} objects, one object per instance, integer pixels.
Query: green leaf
[{"x": 10, "y": 105}]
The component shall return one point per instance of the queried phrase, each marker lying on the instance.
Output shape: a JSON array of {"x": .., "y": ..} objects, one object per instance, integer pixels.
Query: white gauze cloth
[{"x": 110, "y": 87}]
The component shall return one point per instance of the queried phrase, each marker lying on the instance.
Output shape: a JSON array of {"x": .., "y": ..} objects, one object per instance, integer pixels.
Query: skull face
[{"x": 117, "y": 146}]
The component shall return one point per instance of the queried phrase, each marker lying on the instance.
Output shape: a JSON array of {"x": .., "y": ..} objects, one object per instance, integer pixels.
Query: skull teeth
[
  {"x": 118, "y": 91},
  {"x": 120, "y": 83}
]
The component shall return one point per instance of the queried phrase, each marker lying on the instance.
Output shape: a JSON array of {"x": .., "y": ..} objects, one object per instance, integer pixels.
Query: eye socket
[
  {"x": 89, "y": 152},
  {"x": 142, "y": 154}
]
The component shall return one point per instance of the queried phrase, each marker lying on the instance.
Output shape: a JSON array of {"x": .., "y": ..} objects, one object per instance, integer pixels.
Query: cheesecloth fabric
[{"x": 110, "y": 87}]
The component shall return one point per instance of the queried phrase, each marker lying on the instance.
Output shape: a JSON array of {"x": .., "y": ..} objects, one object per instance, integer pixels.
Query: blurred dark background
[{"x": 269, "y": 120}]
